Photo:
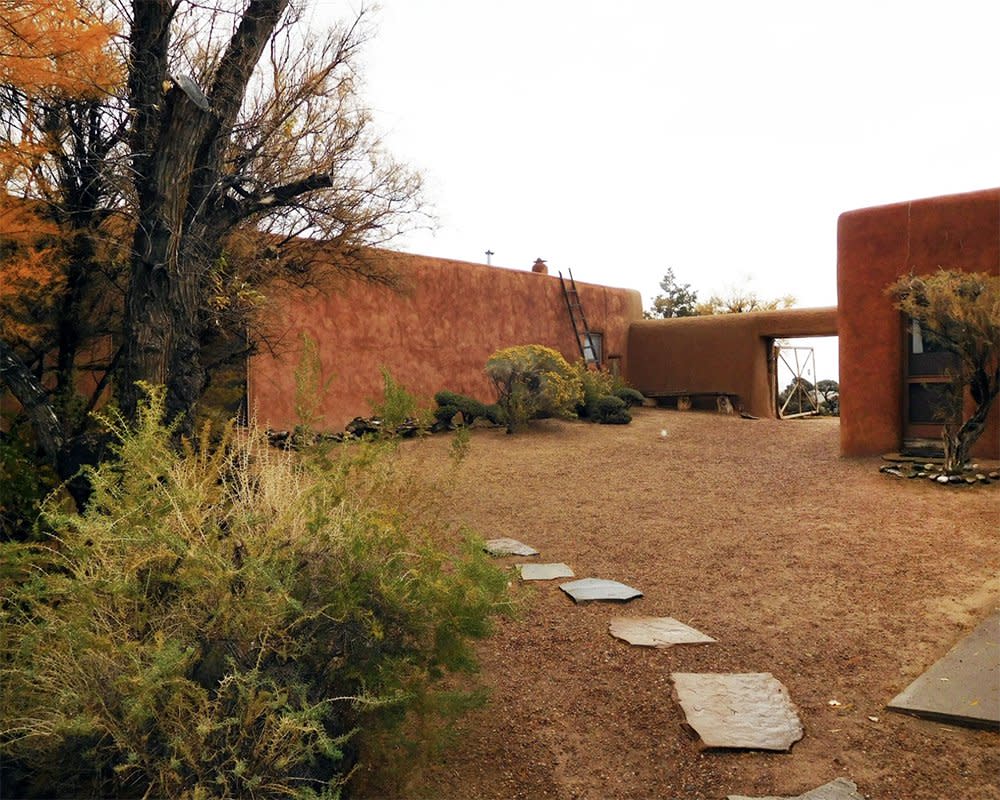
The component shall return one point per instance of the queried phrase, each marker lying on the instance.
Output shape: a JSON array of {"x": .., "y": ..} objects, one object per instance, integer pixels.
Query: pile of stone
[
  {"x": 936, "y": 473},
  {"x": 357, "y": 428}
]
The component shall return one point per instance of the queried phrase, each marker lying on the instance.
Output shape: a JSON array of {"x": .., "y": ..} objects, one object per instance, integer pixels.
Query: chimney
[{"x": 539, "y": 267}]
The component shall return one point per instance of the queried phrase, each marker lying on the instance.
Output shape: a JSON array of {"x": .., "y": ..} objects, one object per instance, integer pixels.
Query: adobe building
[
  {"x": 727, "y": 355},
  {"x": 885, "y": 382},
  {"x": 438, "y": 333}
]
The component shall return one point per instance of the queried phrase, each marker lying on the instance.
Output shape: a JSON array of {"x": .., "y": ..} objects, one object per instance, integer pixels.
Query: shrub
[
  {"x": 228, "y": 622},
  {"x": 399, "y": 410},
  {"x": 452, "y": 403},
  {"x": 596, "y": 384},
  {"x": 533, "y": 381},
  {"x": 611, "y": 411},
  {"x": 631, "y": 397},
  {"x": 23, "y": 484}
]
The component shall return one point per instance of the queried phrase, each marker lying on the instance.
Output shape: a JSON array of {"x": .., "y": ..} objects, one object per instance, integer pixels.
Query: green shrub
[
  {"x": 23, "y": 485},
  {"x": 611, "y": 411},
  {"x": 533, "y": 381},
  {"x": 451, "y": 403},
  {"x": 398, "y": 409},
  {"x": 596, "y": 384},
  {"x": 229, "y": 621},
  {"x": 631, "y": 397}
]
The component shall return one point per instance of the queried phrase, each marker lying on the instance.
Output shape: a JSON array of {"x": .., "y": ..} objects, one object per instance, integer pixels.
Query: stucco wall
[
  {"x": 874, "y": 247},
  {"x": 435, "y": 335},
  {"x": 726, "y": 353}
]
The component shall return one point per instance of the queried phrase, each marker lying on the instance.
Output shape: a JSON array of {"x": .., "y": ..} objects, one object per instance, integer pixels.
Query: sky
[{"x": 720, "y": 139}]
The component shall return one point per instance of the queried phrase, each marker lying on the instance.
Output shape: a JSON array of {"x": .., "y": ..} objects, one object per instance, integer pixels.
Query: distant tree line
[{"x": 680, "y": 300}]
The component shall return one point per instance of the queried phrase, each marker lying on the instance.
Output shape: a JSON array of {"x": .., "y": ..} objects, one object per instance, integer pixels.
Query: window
[{"x": 592, "y": 344}]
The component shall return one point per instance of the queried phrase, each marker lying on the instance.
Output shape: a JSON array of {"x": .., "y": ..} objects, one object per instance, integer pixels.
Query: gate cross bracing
[{"x": 804, "y": 396}]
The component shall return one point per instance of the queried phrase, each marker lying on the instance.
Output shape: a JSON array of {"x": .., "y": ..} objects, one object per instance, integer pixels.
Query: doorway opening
[{"x": 806, "y": 377}]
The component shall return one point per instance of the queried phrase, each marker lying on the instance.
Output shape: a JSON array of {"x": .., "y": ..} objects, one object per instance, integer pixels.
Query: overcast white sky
[{"x": 721, "y": 139}]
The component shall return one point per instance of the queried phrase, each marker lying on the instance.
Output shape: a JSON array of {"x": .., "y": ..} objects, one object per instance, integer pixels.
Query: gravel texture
[{"x": 842, "y": 582}]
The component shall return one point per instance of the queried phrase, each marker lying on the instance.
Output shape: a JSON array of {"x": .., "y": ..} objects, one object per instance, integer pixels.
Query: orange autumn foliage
[
  {"x": 55, "y": 48},
  {"x": 51, "y": 51}
]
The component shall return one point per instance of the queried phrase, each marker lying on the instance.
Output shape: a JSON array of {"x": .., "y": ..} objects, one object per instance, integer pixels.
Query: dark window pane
[{"x": 928, "y": 402}]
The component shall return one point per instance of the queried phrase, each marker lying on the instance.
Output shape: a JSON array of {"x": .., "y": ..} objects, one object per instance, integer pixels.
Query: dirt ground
[{"x": 845, "y": 584}]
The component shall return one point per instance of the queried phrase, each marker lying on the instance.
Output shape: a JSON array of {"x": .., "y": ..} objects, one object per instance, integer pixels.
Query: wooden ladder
[{"x": 576, "y": 316}]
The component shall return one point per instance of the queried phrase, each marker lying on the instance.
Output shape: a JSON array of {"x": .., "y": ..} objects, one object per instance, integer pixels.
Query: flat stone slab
[
  {"x": 840, "y": 789},
  {"x": 508, "y": 547},
  {"x": 588, "y": 590},
  {"x": 745, "y": 710},
  {"x": 544, "y": 572},
  {"x": 963, "y": 687},
  {"x": 656, "y": 631}
]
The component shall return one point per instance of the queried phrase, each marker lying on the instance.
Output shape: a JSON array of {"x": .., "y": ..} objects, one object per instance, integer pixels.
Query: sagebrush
[{"x": 228, "y": 621}]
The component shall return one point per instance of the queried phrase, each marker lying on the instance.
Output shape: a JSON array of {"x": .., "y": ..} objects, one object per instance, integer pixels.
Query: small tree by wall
[
  {"x": 960, "y": 312},
  {"x": 531, "y": 381}
]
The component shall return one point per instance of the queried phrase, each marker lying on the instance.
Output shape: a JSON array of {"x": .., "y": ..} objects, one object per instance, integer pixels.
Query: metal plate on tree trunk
[
  {"x": 745, "y": 710},
  {"x": 508, "y": 547},
  {"x": 656, "y": 631},
  {"x": 544, "y": 572},
  {"x": 963, "y": 687},
  {"x": 840, "y": 789},
  {"x": 589, "y": 590}
]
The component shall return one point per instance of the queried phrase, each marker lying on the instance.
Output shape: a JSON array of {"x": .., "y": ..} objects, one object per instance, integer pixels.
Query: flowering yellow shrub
[{"x": 534, "y": 381}]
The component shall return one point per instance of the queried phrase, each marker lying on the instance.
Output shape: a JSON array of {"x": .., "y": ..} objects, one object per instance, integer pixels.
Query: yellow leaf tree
[
  {"x": 960, "y": 312},
  {"x": 56, "y": 69}
]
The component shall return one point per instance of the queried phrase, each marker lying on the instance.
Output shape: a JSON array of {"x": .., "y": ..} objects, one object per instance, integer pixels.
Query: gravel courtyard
[{"x": 843, "y": 583}]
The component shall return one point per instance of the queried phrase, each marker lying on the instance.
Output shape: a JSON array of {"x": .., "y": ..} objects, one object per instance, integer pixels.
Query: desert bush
[
  {"x": 450, "y": 404},
  {"x": 23, "y": 484},
  {"x": 631, "y": 397},
  {"x": 611, "y": 411},
  {"x": 533, "y": 381},
  {"x": 597, "y": 385},
  {"x": 228, "y": 621},
  {"x": 398, "y": 408}
]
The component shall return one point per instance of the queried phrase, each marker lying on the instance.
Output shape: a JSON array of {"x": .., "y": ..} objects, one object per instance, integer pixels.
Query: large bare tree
[
  {"x": 249, "y": 122},
  {"x": 233, "y": 148}
]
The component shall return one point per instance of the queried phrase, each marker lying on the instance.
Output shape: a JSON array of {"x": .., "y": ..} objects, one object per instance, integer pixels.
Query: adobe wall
[
  {"x": 437, "y": 335},
  {"x": 723, "y": 354},
  {"x": 874, "y": 247}
]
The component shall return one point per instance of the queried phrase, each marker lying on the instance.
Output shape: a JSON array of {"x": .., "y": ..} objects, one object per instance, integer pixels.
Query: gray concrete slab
[
  {"x": 963, "y": 687},
  {"x": 544, "y": 572},
  {"x": 589, "y": 590},
  {"x": 840, "y": 789},
  {"x": 656, "y": 631},
  {"x": 744, "y": 710},
  {"x": 508, "y": 547}
]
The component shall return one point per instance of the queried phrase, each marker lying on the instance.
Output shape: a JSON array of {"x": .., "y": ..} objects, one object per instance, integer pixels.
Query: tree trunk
[
  {"x": 178, "y": 143},
  {"x": 958, "y": 444},
  {"x": 34, "y": 400}
]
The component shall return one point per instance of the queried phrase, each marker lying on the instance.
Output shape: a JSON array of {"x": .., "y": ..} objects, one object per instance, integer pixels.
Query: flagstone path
[{"x": 751, "y": 711}]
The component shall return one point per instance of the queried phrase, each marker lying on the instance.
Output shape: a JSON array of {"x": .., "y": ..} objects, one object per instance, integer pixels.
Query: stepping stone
[
  {"x": 544, "y": 572},
  {"x": 840, "y": 789},
  {"x": 656, "y": 631},
  {"x": 508, "y": 547},
  {"x": 590, "y": 589},
  {"x": 963, "y": 687},
  {"x": 748, "y": 711}
]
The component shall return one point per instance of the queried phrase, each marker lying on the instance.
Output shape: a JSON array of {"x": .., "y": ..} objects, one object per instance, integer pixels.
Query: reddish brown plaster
[
  {"x": 874, "y": 247},
  {"x": 722, "y": 354},
  {"x": 436, "y": 335}
]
